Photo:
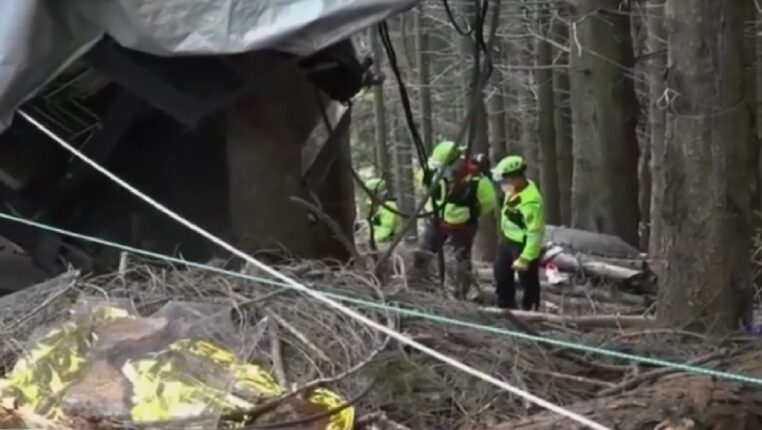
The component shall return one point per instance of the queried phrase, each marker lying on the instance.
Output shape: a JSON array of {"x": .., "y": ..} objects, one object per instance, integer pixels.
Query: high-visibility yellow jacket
[
  {"x": 385, "y": 223},
  {"x": 459, "y": 203},
  {"x": 522, "y": 220}
]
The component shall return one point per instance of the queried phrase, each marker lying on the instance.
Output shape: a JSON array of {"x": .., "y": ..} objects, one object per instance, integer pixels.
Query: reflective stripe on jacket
[
  {"x": 385, "y": 222},
  {"x": 523, "y": 220},
  {"x": 471, "y": 197}
]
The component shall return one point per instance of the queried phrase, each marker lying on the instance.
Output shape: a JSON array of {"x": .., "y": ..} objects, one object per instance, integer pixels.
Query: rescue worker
[
  {"x": 462, "y": 196},
  {"x": 522, "y": 227},
  {"x": 383, "y": 220}
]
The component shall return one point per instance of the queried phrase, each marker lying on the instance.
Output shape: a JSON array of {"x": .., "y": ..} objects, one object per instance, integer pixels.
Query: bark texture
[
  {"x": 264, "y": 156},
  {"x": 497, "y": 126},
  {"x": 562, "y": 125},
  {"x": 485, "y": 245},
  {"x": 751, "y": 64},
  {"x": 383, "y": 159},
  {"x": 424, "y": 77},
  {"x": 677, "y": 402},
  {"x": 605, "y": 111},
  {"x": 702, "y": 256},
  {"x": 657, "y": 65},
  {"x": 545, "y": 124}
]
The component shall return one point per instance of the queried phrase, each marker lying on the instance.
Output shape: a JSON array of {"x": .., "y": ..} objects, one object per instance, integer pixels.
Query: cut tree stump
[{"x": 676, "y": 402}]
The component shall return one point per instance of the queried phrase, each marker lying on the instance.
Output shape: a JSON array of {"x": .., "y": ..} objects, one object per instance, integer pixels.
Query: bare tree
[
  {"x": 424, "y": 78},
  {"x": 605, "y": 111},
  {"x": 383, "y": 167},
  {"x": 497, "y": 125},
  {"x": 657, "y": 65},
  {"x": 485, "y": 246},
  {"x": 751, "y": 66},
  {"x": 545, "y": 122},
  {"x": 562, "y": 122},
  {"x": 402, "y": 147},
  {"x": 703, "y": 249},
  {"x": 528, "y": 103}
]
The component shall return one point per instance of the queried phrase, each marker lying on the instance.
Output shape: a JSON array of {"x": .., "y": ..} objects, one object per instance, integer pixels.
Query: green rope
[{"x": 402, "y": 309}]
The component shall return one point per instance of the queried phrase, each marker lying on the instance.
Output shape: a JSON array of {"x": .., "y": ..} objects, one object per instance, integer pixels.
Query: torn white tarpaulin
[{"x": 38, "y": 38}]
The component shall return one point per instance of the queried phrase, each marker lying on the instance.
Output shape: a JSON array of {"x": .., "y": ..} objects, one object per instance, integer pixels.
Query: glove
[{"x": 520, "y": 265}]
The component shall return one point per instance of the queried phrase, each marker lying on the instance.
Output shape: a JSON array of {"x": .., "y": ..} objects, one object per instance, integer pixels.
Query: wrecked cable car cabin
[{"x": 224, "y": 124}]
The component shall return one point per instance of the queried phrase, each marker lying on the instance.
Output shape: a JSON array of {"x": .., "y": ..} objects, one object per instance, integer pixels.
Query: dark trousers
[
  {"x": 507, "y": 253},
  {"x": 433, "y": 240},
  {"x": 461, "y": 239}
]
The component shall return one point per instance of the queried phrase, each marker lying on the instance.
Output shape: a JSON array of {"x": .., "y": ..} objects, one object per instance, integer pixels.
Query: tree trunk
[
  {"x": 528, "y": 102},
  {"x": 402, "y": 152},
  {"x": 266, "y": 132},
  {"x": 497, "y": 126},
  {"x": 639, "y": 34},
  {"x": 485, "y": 245},
  {"x": 383, "y": 168},
  {"x": 657, "y": 64},
  {"x": 605, "y": 111},
  {"x": 424, "y": 78},
  {"x": 513, "y": 123},
  {"x": 758, "y": 80},
  {"x": 750, "y": 38},
  {"x": 562, "y": 125},
  {"x": 703, "y": 255},
  {"x": 545, "y": 123},
  {"x": 668, "y": 402}
]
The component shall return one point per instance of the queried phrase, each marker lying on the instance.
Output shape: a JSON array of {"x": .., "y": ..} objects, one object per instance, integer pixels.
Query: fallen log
[
  {"x": 676, "y": 402},
  {"x": 638, "y": 281},
  {"x": 588, "y": 242},
  {"x": 640, "y": 264},
  {"x": 611, "y": 271},
  {"x": 588, "y": 321},
  {"x": 579, "y": 291}
]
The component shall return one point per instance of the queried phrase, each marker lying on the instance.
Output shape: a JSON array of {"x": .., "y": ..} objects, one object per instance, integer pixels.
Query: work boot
[
  {"x": 419, "y": 276},
  {"x": 463, "y": 280}
]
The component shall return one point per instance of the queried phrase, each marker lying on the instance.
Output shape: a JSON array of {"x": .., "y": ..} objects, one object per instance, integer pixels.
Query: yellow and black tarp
[{"x": 181, "y": 380}]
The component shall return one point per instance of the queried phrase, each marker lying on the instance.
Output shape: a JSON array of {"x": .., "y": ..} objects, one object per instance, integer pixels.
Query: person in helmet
[
  {"x": 461, "y": 197},
  {"x": 384, "y": 220},
  {"x": 522, "y": 227}
]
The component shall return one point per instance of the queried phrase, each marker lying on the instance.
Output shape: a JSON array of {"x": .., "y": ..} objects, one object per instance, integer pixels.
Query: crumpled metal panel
[
  {"x": 171, "y": 27},
  {"x": 38, "y": 38}
]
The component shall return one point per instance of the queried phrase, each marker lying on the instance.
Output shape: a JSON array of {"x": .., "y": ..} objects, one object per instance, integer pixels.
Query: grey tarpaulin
[{"x": 38, "y": 38}]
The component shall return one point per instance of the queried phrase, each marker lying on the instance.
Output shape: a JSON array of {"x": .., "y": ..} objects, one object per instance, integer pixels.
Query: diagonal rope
[
  {"x": 406, "y": 310},
  {"x": 317, "y": 295}
]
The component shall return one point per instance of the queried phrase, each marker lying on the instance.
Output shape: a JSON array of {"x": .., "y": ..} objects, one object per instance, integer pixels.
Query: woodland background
[{"x": 637, "y": 118}]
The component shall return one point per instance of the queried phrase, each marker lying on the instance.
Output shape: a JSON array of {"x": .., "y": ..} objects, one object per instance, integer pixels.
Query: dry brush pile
[{"x": 306, "y": 345}]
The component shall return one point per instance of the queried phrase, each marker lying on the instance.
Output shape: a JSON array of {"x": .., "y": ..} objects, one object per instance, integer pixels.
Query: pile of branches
[{"x": 394, "y": 387}]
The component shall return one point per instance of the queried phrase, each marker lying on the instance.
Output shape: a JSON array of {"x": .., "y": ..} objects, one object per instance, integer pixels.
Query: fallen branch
[
  {"x": 655, "y": 374},
  {"x": 575, "y": 378},
  {"x": 299, "y": 335},
  {"x": 276, "y": 354},
  {"x": 715, "y": 403},
  {"x": 592, "y": 321}
]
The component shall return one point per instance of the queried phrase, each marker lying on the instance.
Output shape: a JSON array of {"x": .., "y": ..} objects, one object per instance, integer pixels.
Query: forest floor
[{"x": 577, "y": 351}]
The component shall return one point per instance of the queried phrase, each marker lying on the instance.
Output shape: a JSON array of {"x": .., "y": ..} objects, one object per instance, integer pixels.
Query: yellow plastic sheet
[
  {"x": 164, "y": 385},
  {"x": 52, "y": 364}
]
